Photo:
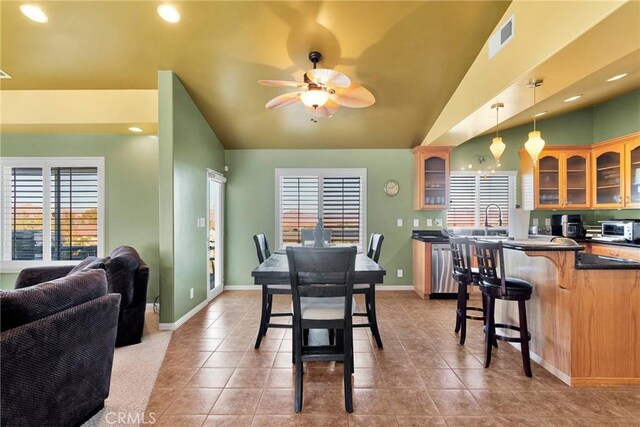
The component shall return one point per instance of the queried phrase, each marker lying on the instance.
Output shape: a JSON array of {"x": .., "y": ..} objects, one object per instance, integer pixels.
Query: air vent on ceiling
[
  {"x": 4, "y": 75},
  {"x": 501, "y": 37}
]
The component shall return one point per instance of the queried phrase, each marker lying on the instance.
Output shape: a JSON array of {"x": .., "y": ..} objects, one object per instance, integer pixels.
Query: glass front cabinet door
[
  {"x": 632, "y": 173},
  {"x": 575, "y": 179},
  {"x": 547, "y": 180},
  {"x": 431, "y": 177},
  {"x": 608, "y": 178}
]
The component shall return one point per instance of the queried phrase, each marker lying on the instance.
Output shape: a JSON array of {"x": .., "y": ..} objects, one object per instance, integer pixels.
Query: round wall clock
[{"x": 391, "y": 187}]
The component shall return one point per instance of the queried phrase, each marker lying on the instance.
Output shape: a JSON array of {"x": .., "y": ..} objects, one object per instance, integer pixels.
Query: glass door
[
  {"x": 215, "y": 233},
  {"x": 632, "y": 198},
  {"x": 608, "y": 185},
  {"x": 548, "y": 181},
  {"x": 435, "y": 182},
  {"x": 576, "y": 180}
]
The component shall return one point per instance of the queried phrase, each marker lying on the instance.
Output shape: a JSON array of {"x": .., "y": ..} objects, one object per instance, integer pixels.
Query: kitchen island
[{"x": 584, "y": 314}]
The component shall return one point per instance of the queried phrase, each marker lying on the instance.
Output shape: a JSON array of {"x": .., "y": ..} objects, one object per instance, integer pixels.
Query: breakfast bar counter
[{"x": 584, "y": 315}]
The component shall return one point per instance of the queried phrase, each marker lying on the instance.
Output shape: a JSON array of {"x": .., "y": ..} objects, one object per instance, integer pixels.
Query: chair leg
[
  {"x": 269, "y": 307},
  {"x": 463, "y": 314},
  {"x": 524, "y": 336},
  {"x": 374, "y": 317},
  {"x": 297, "y": 355},
  {"x": 485, "y": 305},
  {"x": 347, "y": 343},
  {"x": 263, "y": 318},
  {"x": 491, "y": 330},
  {"x": 458, "y": 309}
]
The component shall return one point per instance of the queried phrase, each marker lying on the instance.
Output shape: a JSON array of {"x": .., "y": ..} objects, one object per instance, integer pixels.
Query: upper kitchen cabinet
[
  {"x": 632, "y": 172},
  {"x": 561, "y": 180},
  {"x": 431, "y": 177},
  {"x": 614, "y": 174}
]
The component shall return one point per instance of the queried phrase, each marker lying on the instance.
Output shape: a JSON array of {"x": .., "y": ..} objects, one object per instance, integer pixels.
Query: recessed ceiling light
[
  {"x": 34, "y": 13},
  {"x": 4, "y": 75},
  {"x": 135, "y": 129},
  {"x": 542, "y": 113},
  {"x": 169, "y": 13},
  {"x": 573, "y": 98},
  {"x": 618, "y": 77}
]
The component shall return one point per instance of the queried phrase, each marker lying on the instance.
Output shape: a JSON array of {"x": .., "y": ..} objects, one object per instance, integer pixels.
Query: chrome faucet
[{"x": 486, "y": 217}]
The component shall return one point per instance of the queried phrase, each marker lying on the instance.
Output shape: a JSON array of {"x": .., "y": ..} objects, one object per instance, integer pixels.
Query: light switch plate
[
  {"x": 200, "y": 222},
  {"x": 400, "y": 222},
  {"x": 400, "y": 273},
  {"x": 535, "y": 221},
  {"x": 547, "y": 222},
  {"x": 429, "y": 222},
  {"x": 191, "y": 293},
  {"x": 416, "y": 223}
]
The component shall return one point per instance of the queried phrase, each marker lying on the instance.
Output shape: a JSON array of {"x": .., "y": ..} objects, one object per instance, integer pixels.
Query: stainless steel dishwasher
[{"x": 442, "y": 284}]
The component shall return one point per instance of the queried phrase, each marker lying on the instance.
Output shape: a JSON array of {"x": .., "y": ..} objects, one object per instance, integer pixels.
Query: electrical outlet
[
  {"x": 547, "y": 222},
  {"x": 226, "y": 168},
  {"x": 400, "y": 273},
  {"x": 400, "y": 222},
  {"x": 535, "y": 221},
  {"x": 416, "y": 223},
  {"x": 191, "y": 293},
  {"x": 429, "y": 222},
  {"x": 200, "y": 222}
]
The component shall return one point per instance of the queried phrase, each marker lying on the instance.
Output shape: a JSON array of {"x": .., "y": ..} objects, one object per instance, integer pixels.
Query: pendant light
[
  {"x": 535, "y": 143},
  {"x": 497, "y": 146}
]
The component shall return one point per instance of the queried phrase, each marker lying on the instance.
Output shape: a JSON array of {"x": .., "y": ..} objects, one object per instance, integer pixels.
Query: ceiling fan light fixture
[{"x": 314, "y": 97}]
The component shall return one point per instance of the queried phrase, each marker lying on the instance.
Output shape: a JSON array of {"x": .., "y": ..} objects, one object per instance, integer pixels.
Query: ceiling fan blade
[
  {"x": 283, "y": 100},
  {"x": 353, "y": 97},
  {"x": 329, "y": 77},
  {"x": 282, "y": 83},
  {"x": 327, "y": 110}
]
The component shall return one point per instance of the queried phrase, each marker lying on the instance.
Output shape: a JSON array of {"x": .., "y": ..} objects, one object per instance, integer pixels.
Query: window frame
[
  {"x": 321, "y": 173},
  {"x": 512, "y": 175},
  {"x": 46, "y": 163}
]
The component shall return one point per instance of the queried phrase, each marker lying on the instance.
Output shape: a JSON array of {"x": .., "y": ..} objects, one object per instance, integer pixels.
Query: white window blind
[
  {"x": 51, "y": 210},
  {"x": 470, "y": 193},
  {"x": 335, "y": 195}
]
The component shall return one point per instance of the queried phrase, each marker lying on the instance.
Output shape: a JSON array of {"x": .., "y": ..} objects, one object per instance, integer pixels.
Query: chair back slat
[
  {"x": 375, "y": 246},
  {"x": 461, "y": 255},
  {"x": 262, "y": 247},
  {"x": 490, "y": 258}
]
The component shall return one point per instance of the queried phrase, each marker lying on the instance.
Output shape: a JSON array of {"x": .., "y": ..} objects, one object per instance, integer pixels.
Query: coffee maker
[{"x": 567, "y": 226}]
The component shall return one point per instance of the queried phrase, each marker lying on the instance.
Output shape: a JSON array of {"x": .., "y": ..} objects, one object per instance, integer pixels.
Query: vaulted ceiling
[{"x": 410, "y": 55}]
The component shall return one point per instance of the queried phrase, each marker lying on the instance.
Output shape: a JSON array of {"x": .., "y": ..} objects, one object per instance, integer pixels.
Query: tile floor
[{"x": 212, "y": 376}]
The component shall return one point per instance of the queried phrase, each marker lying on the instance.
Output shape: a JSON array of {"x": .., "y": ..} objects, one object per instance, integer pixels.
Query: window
[
  {"x": 51, "y": 210},
  {"x": 470, "y": 193},
  {"x": 335, "y": 195}
]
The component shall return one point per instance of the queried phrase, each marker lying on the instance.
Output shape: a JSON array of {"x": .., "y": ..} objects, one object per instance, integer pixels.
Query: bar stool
[
  {"x": 504, "y": 288},
  {"x": 465, "y": 276}
]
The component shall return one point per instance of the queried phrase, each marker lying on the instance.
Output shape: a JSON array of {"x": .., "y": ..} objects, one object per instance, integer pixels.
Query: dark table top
[
  {"x": 275, "y": 271},
  {"x": 598, "y": 262}
]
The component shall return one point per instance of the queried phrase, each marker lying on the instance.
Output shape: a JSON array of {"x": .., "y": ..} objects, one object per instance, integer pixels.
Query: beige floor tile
[
  {"x": 455, "y": 402},
  {"x": 237, "y": 402},
  {"x": 193, "y": 401},
  {"x": 211, "y": 377},
  {"x": 248, "y": 378},
  {"x": 228, "y": 421},
  {"x": 180, "y": 420}
]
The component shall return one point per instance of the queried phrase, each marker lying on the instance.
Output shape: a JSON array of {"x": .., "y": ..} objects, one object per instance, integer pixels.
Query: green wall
[
  {"x": 131, "y": 187},
  {"x": 250, "y": 203},
  {"x": 188, "y": 147}
]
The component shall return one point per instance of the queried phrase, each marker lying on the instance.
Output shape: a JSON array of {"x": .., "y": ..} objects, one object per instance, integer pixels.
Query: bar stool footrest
[
  {"x": 505, "y": 337},
  {"x": 475, "y": 317}
]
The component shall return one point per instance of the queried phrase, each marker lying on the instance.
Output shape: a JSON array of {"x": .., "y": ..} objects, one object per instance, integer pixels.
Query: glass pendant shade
[
  {"x": 497, "y": 148},
  {"x": 534, "y": 145},
  {"x": 314, "y": 97}
]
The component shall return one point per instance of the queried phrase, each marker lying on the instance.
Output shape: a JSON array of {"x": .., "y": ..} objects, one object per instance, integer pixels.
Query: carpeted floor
[{"x": 135, "y": 369}]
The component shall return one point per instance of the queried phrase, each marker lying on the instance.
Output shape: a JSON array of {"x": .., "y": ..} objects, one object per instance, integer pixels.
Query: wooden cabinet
[
  {"x": 431, "y": 177},
  {"x": 602, "y": 176},
  {"x": 422, "y": 268},
  {"x": 561, "y": 180},
  {"x": 615, "y": 170},
  {"x": 625, "y": 252}
]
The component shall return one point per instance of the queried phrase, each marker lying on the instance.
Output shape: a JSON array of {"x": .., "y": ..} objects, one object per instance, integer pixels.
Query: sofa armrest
[
  {"x": 36, "y": 275},
  {"x": 59, "y": 367}
]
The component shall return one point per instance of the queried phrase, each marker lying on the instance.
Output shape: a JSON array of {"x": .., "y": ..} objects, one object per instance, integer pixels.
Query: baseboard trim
[
  {"x": 149, "y": 306},
  {"x": 548, "y": 366},
  {"x": 181, "y": 321},
  {"x": 378, "y": 288}
]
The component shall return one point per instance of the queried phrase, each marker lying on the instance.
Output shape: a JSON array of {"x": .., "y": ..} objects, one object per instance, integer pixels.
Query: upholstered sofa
[
  {"x": 57, "y": 343},
  {"x": 127, "y": 275}
]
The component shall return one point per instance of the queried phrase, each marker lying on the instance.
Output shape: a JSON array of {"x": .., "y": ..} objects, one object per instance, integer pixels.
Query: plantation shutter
[
  {"x": 22, "y": 213},
  {"x": 74, "y": 212},
  {"x": 463, "y": 206},
  {"x": 341, "y": 208},
  {"x": 494, "y": 189},
  {"x": 298, "y": 206}
]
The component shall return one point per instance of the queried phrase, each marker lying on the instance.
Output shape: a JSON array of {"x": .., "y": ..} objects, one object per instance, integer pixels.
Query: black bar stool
[
  {"x": 465, "y": 276},
  {"x": 504, "y": 288}
]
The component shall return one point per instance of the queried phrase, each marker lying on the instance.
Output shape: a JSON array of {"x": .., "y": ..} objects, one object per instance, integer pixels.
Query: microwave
[{"x": 629, "y": 230}]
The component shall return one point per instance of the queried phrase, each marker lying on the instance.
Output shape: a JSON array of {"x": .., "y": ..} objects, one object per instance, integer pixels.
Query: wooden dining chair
[
  {"x": 268, "y": 291},
  {"x": 322, "y": 294},
  {"x": 369, "y": 291}
]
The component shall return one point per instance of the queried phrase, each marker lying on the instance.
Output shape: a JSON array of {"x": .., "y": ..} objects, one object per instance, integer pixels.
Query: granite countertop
[
  {"x": 587, "y": 240},
  {"x": 429, "y": 236},
  {"x": 537, "y": 245},
  {"x": 597, "y": 262}
]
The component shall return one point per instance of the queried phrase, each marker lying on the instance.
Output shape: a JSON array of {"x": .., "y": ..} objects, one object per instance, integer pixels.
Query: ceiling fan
[{"x": 322, "y": 92}]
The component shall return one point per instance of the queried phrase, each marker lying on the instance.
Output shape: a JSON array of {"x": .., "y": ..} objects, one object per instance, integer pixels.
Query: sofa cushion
[
  {"x": 88, "y": 263},
  {"x": 21, "y": 306},
  {"x": 123, "y": 268}
]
